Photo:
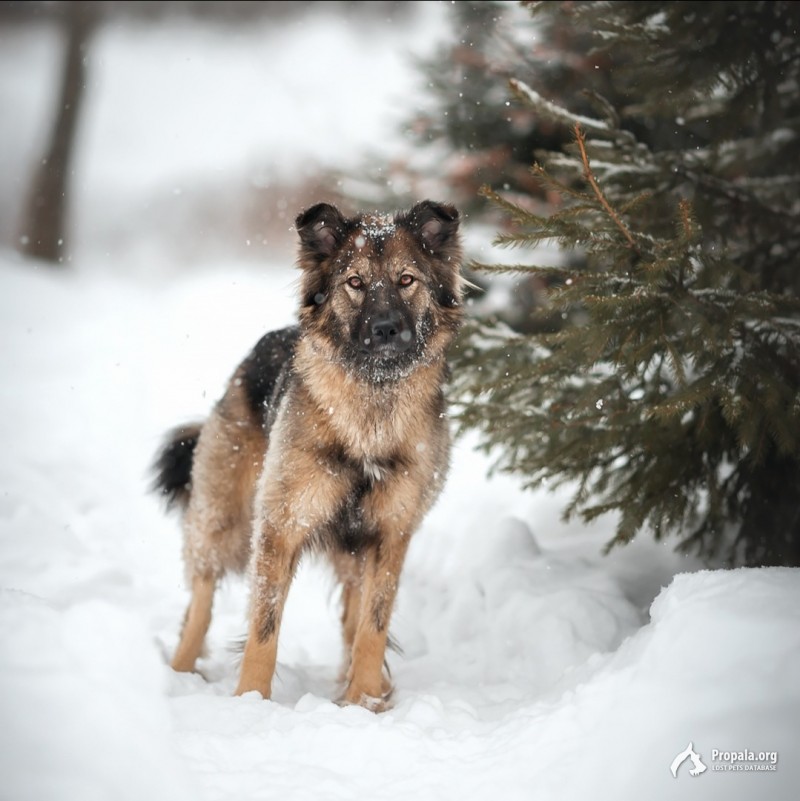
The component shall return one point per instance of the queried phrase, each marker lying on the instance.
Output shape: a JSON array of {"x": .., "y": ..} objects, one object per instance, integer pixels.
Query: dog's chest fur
[{"x": 374, "y": 424}]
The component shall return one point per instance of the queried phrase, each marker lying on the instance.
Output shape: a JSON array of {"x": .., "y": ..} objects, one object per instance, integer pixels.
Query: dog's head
[{"x": 381, "y": 293}]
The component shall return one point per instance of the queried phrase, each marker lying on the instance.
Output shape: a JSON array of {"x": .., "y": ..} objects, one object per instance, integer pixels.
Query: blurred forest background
[
  {"x": 181, "y": 133},
  {"x": 189, "y": 132},
  {"x": 643, "y": 157},
  {"x": 174, "y": 130}
]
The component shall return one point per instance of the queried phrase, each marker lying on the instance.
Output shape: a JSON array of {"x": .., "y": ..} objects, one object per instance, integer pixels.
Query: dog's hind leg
[
  {"x": 349, "y": 570},
  {"x": 215, "y": 543},
  {"x": 195, "y": 624},
  {"x": 217, "y": 522}
]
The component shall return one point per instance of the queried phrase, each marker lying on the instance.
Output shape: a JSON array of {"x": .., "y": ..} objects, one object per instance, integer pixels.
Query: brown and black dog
[{"x": 331, "y": 435}]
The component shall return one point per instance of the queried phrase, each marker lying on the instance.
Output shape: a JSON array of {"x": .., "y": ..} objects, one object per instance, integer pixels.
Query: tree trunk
[{"x": 44, "y": 233}]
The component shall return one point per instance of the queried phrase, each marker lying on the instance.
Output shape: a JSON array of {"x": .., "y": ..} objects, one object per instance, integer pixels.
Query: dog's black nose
[{"x": 390, "y": 332}]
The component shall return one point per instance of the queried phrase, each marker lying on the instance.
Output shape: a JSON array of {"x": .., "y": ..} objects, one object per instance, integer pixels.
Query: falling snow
[{"x": 531, "y": 665}]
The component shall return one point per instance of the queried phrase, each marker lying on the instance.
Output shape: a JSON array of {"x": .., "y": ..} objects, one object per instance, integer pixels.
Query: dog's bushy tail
[{"x": 173, "y": 465}]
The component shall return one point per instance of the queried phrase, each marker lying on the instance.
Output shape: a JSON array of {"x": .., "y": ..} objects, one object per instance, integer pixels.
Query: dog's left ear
[
  {"x": 321, "y": 230},
  {"x": 435, "y": 225}
]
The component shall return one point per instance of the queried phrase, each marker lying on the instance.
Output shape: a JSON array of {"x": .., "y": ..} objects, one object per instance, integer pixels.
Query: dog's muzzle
[{"x": 385, "y": 335}]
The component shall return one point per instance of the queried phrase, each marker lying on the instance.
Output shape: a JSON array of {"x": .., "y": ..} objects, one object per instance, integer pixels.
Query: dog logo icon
[{"x": 688, "y": 753}]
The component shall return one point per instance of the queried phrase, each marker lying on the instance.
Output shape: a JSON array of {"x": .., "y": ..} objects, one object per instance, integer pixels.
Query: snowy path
[{"x": 531, "y": 668}]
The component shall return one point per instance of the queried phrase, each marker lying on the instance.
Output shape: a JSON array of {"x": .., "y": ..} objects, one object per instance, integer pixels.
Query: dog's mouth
[
  {"x": 386, "y": 367},
  {"x": 386, "y": 350},
  {"x": 386, "y": 360}
]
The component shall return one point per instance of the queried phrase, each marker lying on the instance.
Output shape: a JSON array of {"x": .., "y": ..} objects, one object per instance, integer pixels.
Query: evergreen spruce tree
[
  {"x": 468, "y": 131},
  {"x": 671, "y": 393}
]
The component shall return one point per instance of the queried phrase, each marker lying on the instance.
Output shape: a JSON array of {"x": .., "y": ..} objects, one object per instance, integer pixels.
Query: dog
[{"x": 331, "y": 436}]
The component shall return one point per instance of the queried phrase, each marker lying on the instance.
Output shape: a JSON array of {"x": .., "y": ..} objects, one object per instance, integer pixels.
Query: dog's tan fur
[{"x": 340, "y": 440}]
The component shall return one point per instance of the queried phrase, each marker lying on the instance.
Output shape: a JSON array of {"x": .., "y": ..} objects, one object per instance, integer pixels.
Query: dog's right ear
[{"x": 321, "y": 230}]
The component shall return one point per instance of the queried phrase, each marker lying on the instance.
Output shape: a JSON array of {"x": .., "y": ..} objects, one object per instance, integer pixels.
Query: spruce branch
[
  {"x": 685, "y": 209},
  {"x": 580, "y": 139},
  {"x": 517, "y": 269},
  {"x": 531, "y": 97},
  {"x": 515, "y": 212},
  {"x": 538, "y": 171}
]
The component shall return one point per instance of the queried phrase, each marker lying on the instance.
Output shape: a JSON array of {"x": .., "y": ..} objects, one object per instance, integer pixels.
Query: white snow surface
[{"x": 532, "y": 666}]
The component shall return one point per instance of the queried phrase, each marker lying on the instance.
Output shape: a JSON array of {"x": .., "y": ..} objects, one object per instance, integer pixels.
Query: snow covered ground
[{"x": 532, "y": 667}]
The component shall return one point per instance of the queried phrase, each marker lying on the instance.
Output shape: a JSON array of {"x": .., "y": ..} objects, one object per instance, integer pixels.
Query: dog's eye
[
  {"x": 355, "y": 282},
  {"x": 406, "y": 279}
]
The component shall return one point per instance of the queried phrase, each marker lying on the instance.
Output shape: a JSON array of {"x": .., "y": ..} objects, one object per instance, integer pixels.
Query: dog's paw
[
  {"x": 369, "y": 702},
  {"x": 374, "y": 703}
]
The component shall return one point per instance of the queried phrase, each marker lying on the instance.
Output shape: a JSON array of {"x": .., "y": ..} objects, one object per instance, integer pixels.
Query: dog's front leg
[
  {"x": 273, "y": 566},
  {"x": 366, "y": 685}
]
